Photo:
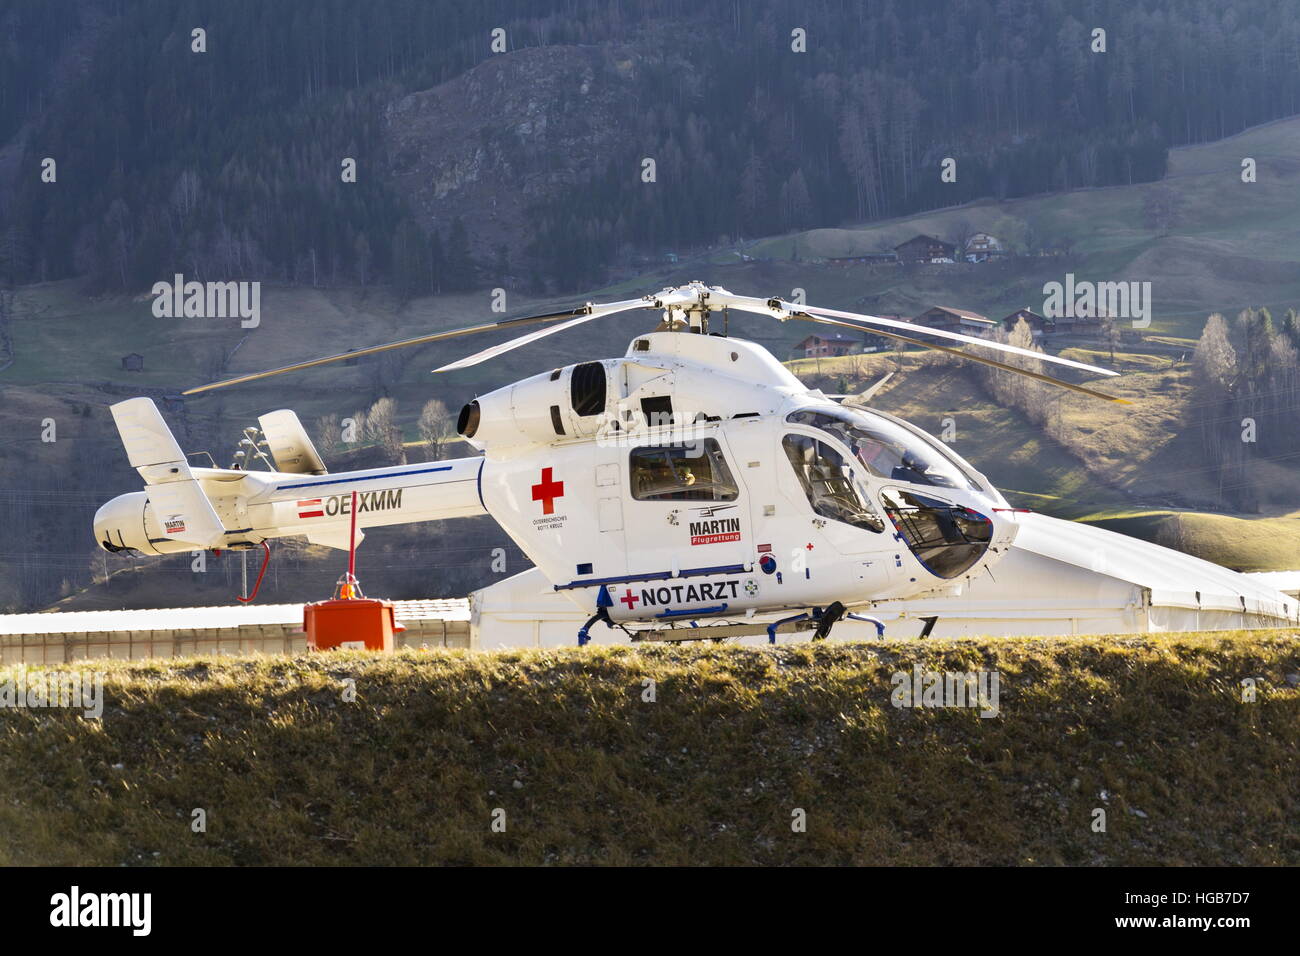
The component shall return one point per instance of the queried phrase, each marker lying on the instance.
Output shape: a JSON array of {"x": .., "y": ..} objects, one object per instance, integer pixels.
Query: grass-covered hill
[{"x": 565, "y": 748}]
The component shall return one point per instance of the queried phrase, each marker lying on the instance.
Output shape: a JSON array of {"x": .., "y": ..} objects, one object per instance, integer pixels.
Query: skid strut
[
  {"x": 603, "y": 603},
  {"x": 880, "y": 625},
  {"x": 822, "y": 620},
  {"x": 584, "y": 632}
]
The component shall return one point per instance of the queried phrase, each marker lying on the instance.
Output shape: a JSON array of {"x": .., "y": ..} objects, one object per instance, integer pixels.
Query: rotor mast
[{"x": 687, "y": 310}]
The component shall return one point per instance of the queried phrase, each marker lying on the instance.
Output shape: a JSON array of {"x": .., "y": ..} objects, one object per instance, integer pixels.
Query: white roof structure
[
  {"x": 1288, "y": 582},
  {"x": 204, "y": 618}
]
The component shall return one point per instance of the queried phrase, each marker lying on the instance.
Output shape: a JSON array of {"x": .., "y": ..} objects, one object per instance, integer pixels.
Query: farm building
[
  {"x": 981, "y": 247},
  {"x": 1077, "y": 324},
  {"x": 1038, "y": 324},
  {"x": 924, "y": 249},
  {"x": 828, "y": 343},
  {"x": 862, "y": 259},
  {"x": 955, "y": 320},
  {"x": 133, "y": 362}
]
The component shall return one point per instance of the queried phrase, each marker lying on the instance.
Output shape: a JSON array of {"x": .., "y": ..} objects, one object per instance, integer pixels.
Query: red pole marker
[
  {"x": 349, "y": 588},
  {"x": 257, "y": 585}
]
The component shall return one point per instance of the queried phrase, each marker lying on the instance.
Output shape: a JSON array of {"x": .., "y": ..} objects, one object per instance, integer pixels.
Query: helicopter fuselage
[{"x": 695, "y": 477}]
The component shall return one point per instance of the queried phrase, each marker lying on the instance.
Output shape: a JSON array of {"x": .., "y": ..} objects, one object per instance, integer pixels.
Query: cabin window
[
  {"x": 829, "y": 483},
  {"x": 696, "y": 471}
]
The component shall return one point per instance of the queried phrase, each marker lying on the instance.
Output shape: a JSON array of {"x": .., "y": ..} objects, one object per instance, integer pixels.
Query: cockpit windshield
[{"x": 885, "y": 449}]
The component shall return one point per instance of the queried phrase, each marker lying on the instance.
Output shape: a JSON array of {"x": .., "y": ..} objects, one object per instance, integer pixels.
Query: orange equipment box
[{"x": 350, "y": 624}]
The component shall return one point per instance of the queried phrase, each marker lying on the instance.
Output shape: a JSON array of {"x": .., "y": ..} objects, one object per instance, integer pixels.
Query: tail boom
[{"x": 183, "y": 508}]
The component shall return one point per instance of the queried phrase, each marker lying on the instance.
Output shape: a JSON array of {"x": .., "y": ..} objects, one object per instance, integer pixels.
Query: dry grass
[{"x": 1153, "y": 729}]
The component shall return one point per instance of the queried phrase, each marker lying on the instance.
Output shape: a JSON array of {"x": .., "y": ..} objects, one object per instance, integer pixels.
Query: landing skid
[
  {"x": 707, "y": 632},
  {"x": 818, "y": 620}
]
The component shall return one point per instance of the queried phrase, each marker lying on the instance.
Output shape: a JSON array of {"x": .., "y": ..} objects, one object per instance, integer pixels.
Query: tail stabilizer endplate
[
  {"x": 182, "y": 509},
  {"x": 291, "y": 449},
  {"x": 146, "y": 436}
]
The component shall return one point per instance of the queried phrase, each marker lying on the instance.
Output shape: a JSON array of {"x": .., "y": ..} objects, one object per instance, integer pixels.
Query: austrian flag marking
[{"x": 310, "y": 508}]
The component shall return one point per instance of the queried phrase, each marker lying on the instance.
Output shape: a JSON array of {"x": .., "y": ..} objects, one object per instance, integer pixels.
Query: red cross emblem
[
  {"x": 808, "y": 546},
  {"x": 547, "y": 490},
  {"x": 629, "y": 599}
]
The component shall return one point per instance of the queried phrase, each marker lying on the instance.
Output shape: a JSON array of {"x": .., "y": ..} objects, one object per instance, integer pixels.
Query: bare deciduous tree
[
  {"x": 436, "y": 426},
  {"x": 328, "y": 433},
  {"x": 381, "y": 427},
  {"x": 1215, "y": 360},
  {"x": 1110, "y": 334}
]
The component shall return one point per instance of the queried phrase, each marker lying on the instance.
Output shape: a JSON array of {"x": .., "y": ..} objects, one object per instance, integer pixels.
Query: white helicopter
[{"x": 680, "y": 492}]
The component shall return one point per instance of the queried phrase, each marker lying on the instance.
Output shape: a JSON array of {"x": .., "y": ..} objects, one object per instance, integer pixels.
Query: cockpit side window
[
  {"x": 828, "y": 483},
  {"x": 693, "y": 472},
  {"x": 884, "y": 449}
]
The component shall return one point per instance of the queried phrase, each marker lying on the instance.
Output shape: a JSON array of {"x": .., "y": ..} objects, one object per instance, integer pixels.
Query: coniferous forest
[{"x": 228, "y": 164}]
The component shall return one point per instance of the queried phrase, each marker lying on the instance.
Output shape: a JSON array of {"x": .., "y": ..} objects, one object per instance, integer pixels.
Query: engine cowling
[
  {"x": 127, "y": 523},
  {"x": 568, "y": 402}
]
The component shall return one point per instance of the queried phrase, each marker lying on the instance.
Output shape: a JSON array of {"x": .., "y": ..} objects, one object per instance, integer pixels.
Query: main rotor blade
[
  {"x": 912, "y": 327},
  {"x": 992, "y": 363},
  {"x": 593, "y": 312},
  {"x": 779, "y": 309},
  {"x": 374, "y": 349}
]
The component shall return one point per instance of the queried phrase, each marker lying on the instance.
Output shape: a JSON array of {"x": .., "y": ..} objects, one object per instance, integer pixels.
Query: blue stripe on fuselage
[{"x": 361, "y": 478}]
